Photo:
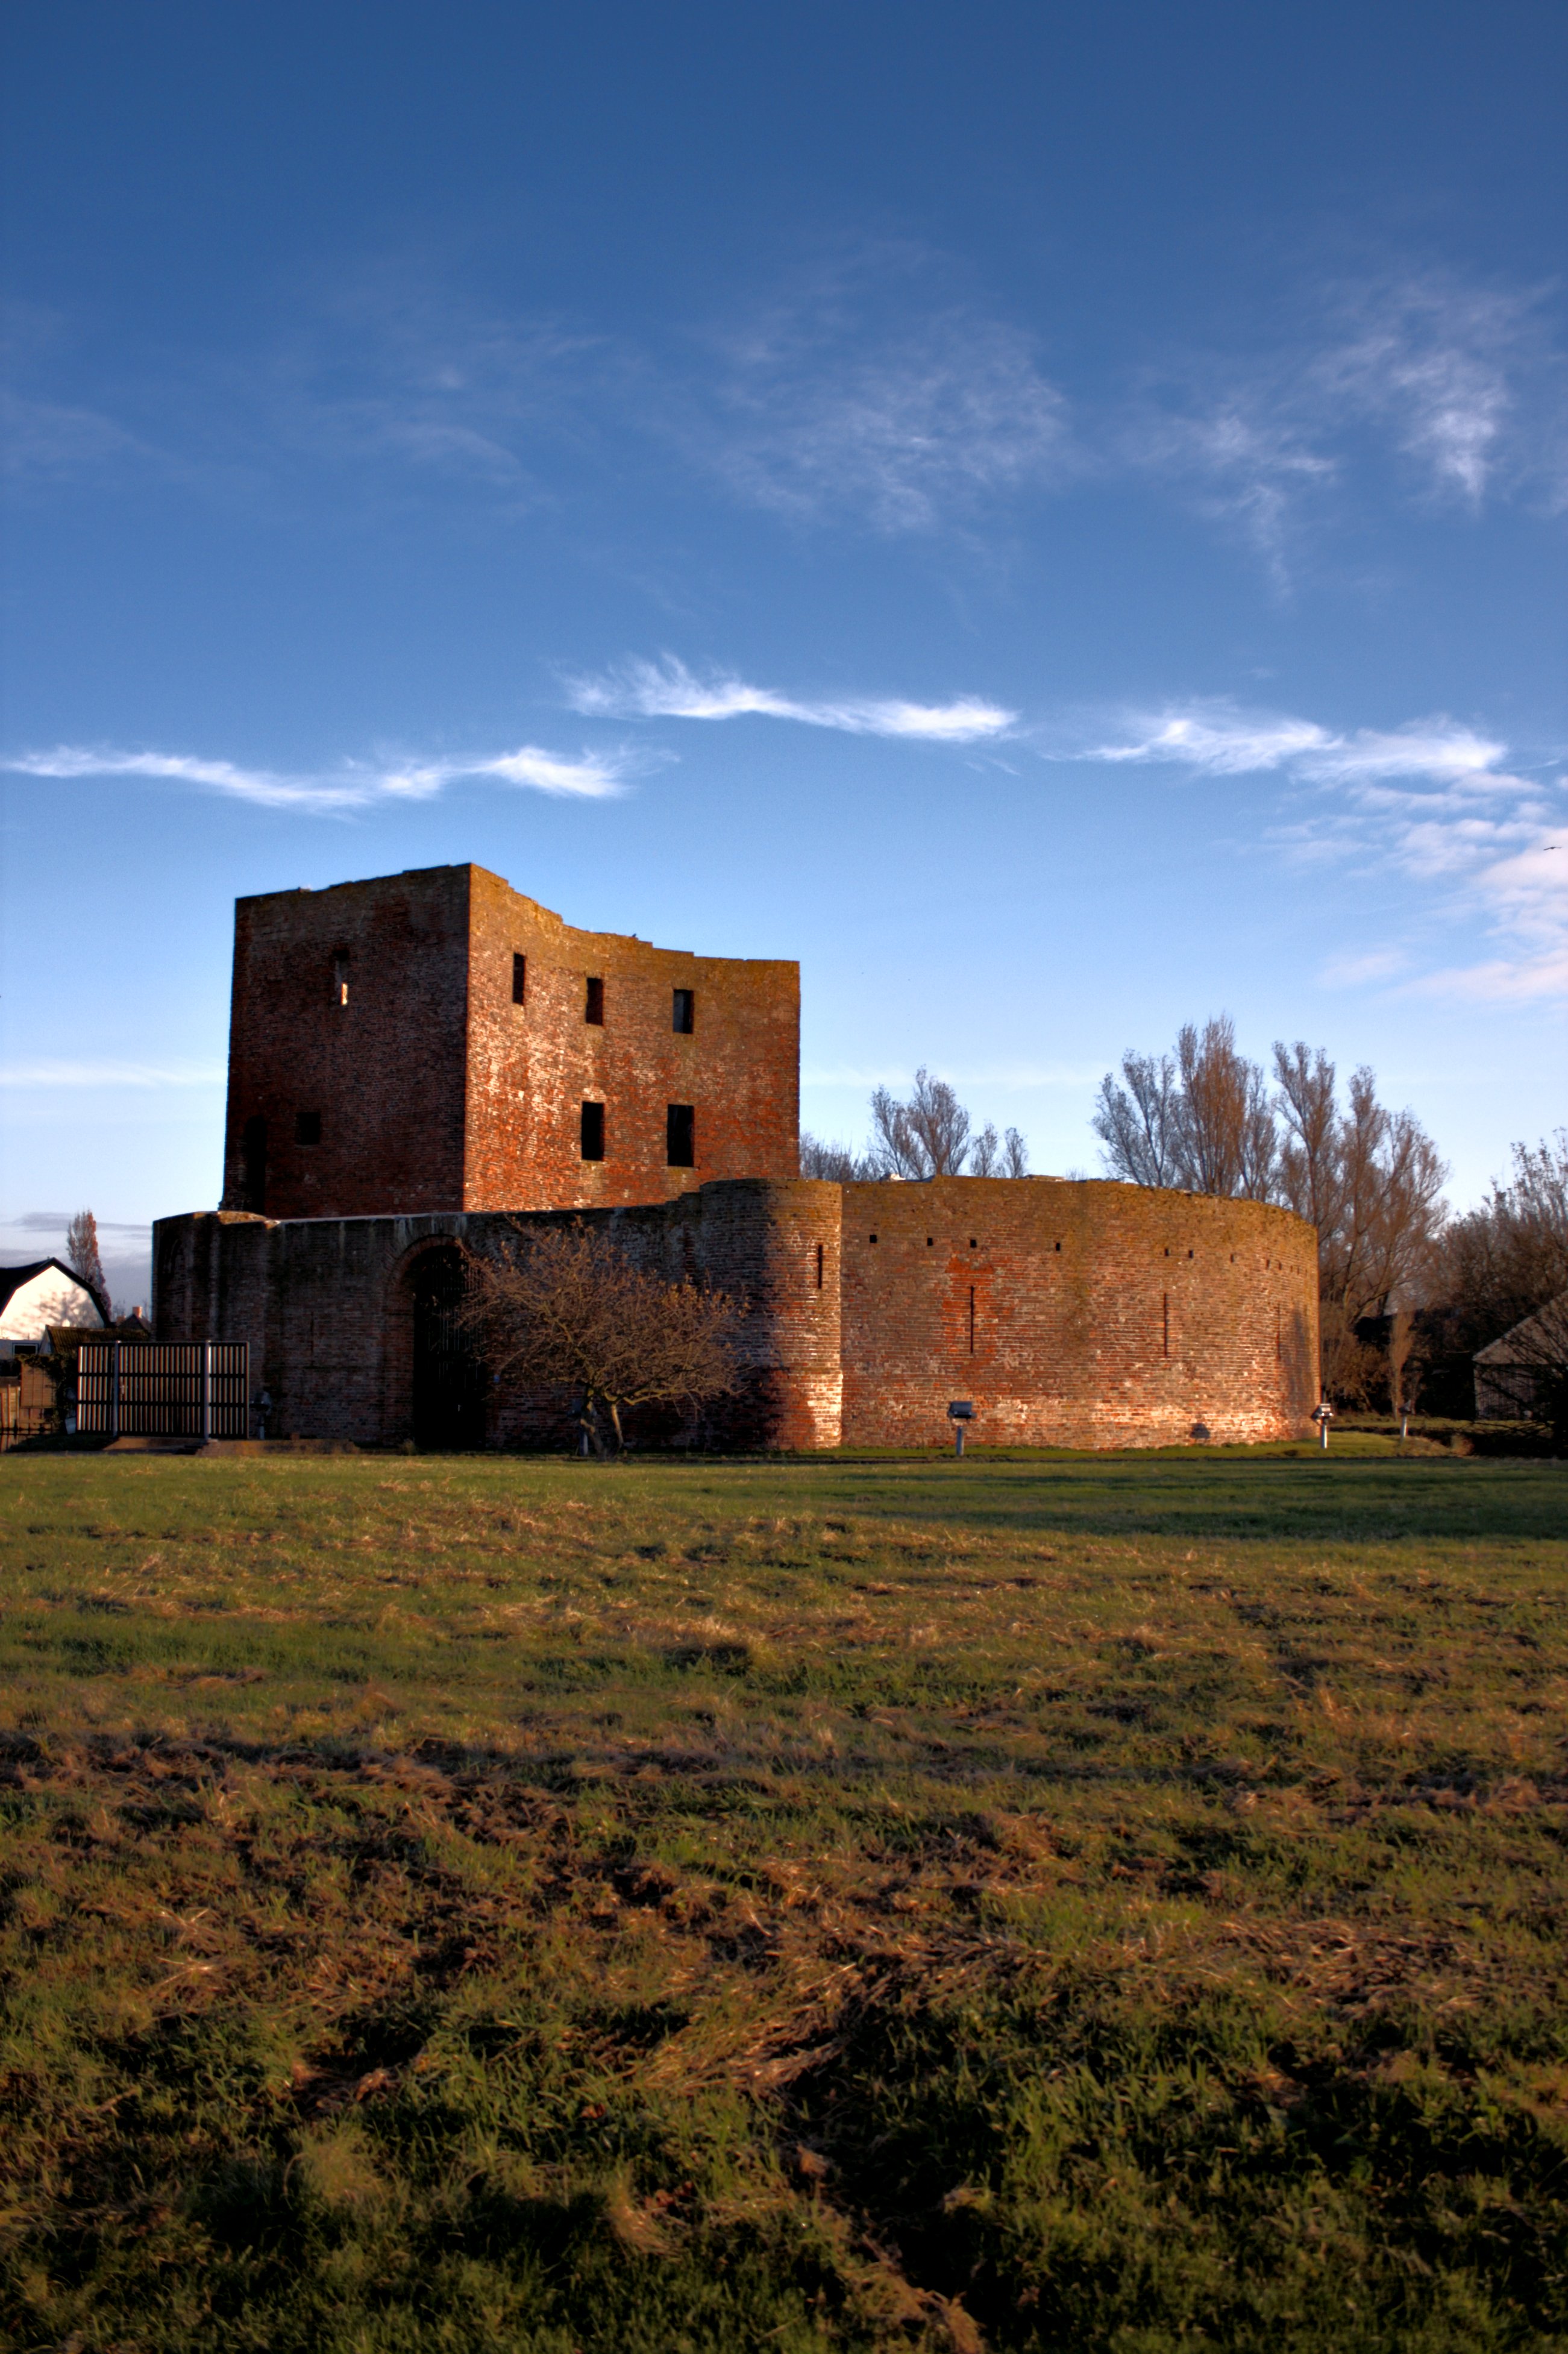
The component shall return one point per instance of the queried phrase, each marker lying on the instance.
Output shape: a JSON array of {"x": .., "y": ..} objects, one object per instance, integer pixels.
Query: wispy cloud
[
  {"x": 1464, "y": 382},
  {"x": 667, "y": 690},
  {"x": 1452, "y": 369},
  {"x": 1435, "y": 798},
  {"x": 63, "y": 1072},
  {"x": 353, "y": 784},
  {"x": 49, "y": 1222},
  {"x": 866, "y": 392}
]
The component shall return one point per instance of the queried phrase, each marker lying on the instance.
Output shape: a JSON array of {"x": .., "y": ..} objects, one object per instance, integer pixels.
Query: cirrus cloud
[
  {"x": 667, "y": 690},
  {"x": 1435, "y": 798},
  {"x": 353, "y": 784}
]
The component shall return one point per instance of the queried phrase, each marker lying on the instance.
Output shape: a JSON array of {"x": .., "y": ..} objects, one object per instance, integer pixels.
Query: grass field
[{"x": 473, "y": 1904}]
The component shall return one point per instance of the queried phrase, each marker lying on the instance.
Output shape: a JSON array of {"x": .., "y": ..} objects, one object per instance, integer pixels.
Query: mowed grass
[{"x": 474, "y": 1904}]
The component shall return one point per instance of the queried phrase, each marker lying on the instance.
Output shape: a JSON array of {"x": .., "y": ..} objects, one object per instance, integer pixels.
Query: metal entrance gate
[{"x": 163, "y": 1389}]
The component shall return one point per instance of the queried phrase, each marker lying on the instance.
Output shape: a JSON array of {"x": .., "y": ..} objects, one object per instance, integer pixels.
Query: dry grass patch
[{"x": 498, "y": 1904}]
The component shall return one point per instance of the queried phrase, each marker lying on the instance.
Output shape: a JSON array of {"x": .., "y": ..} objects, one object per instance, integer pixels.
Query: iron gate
[{"x": 163, "y": 1389}]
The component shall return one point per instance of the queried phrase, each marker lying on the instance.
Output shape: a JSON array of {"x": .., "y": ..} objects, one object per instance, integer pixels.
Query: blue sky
[{"x": 1053, "y": 517}]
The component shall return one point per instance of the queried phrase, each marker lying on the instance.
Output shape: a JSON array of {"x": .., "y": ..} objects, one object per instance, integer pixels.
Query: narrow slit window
[
  {"x": 519, "y": 979},
  {"x": 593, "y": 1131},
  {"x": 594, "y": 1009},
  {"x": 681, "y": 1136},
  {"x": 684, "y": 1017},
  {"x": 822, "y": 1255},
  {"x": 971, "y": 1320},
  {"x": 1165, "y": 1323},
  {"x": 339, "y": 978},
  {"x": 307, "y": 1127},
  {"x": 1278, "y": 1335},
  {"x": 253, "y": 1164}
]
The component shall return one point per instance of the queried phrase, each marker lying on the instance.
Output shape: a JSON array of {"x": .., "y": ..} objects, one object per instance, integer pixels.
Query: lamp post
[
  {"x": 1323, "y": 1416},
  {"x": 960, "y": 1412}
]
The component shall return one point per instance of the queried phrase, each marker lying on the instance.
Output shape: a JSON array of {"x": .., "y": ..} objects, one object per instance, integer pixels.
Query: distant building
[
  {"x": 1515, "y": 1371},
  {"x": 43, "y": 1292}
]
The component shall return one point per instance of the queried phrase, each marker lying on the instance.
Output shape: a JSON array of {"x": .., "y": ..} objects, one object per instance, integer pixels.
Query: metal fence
[{"x": 163, "y": 1389}]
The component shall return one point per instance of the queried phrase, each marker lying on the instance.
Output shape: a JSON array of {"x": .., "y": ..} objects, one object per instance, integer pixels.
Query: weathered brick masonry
[
  {"x": 427, "y": 1041},
  {"x": 1075, "y": 1313},
  {"x": 330, "y": 1307},
  {"x": 1070, "y": 1313}
]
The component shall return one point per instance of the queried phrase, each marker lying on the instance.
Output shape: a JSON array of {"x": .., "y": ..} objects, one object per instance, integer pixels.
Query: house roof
[
  {"x": 13, "y": 1279},
  {"x": 1548, "y": 1326}
]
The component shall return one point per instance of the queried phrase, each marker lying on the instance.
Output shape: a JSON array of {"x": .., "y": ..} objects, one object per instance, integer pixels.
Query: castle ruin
[{"x": 418, "y": 1059}]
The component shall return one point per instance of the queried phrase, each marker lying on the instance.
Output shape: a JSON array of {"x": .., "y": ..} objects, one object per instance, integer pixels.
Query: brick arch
[{"x": 410, "y": 1282}]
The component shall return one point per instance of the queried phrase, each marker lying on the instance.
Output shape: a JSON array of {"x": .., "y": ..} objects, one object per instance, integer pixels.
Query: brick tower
[{"x": 434, "y": 1041}]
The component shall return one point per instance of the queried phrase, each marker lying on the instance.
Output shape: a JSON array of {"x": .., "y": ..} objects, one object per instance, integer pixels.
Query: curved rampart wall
[{"x": 1073, "y": 1313}]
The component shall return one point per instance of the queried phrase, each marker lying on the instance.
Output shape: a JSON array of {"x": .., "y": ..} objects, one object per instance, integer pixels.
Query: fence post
[
  {"x": 206, "y": 1391},
  {"x": 114, "y": 1393}
]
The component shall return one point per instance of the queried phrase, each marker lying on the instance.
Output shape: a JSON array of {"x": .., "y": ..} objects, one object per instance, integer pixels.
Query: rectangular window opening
[
  {"x": 339, "y": 978},
  {"x": 681, "y": 1136},
  {"x": 307, "y": 1127},
  {"x": 594, "y": 1009},
  {"x": 519, "y": 979},
  {"x": 685, "y": 1016},
  {"x": 1165, "y": 1323},
  {"x": 971, "y": 1320},
  {"x": 1278, "y": 1335},
  {"x": 593, "y": 1131},
  {"x": 822, "y": 1255}
]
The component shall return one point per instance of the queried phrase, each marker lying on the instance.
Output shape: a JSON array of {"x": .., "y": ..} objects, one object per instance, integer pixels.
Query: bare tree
[
  {"x": 1371, "y": 1181},
  {"x": 1405, "y": 1366},
  {"x": 1226, "y": 1129},
  {"x": 1201, "y": 1119},
  {"x": 1141, "y": 1124},
  {"x": 564, "y": 1308},
  {"x": 837, "y": 1162},
  {"x": 83, "y": 1256},
  {"x": 926, "y": 1137},
  {"x": 991, "y": 1158}
]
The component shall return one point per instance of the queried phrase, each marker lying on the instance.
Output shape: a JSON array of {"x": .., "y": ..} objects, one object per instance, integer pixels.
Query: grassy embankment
[{"x": 476, "y": 1904}]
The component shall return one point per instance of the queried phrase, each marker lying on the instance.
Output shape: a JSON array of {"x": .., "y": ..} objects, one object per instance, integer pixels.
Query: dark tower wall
[
  {"x": 330, "y": 1307},
  {"x": 380, "y": 1069},
  {"x": 376, "y": 1033}
]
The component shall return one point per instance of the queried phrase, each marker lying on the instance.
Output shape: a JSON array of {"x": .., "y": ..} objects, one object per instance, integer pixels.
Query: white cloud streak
[
  {"x": 667, "y": 690},
  {"x": 62, "y": 1071},
  {"x": 353, "y": 785},
  {"x": 1433, "y": 799}
]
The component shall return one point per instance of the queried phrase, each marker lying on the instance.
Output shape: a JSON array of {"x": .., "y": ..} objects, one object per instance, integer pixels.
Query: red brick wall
[
  {"x": 531, "y": 1066},
  {"x": 1104, "y": 1315},
  {"x": 435, "y": 1091}
]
